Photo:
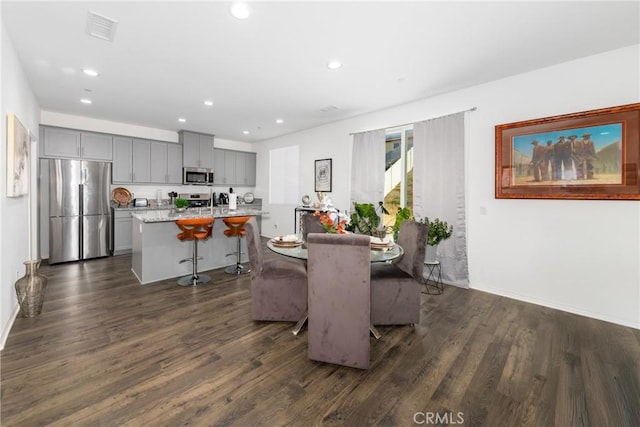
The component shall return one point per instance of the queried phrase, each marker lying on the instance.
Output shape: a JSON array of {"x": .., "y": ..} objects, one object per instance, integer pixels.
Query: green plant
[
  {"x": 438, "y": 231},
  {"x": 365, "y": 219},
  {"x": 181, "y": 203},
  {"x": 402, "y": 215}
]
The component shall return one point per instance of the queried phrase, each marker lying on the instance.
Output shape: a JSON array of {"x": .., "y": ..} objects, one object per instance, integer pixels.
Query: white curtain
[
  {"x": 439, "y": 188},
  {"x": 367, "y": 167}
]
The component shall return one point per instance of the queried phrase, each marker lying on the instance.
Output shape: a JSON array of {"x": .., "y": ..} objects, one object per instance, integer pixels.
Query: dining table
[{"x": 384, "y": 251}]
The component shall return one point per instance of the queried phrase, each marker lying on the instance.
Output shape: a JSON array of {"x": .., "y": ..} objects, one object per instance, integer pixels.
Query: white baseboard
[
  {"x": 9, "y": 325},
  {"x": 562, "y": 307}
]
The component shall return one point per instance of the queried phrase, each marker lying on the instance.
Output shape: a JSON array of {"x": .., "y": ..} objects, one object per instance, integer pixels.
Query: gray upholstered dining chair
[
  {"x": 310, "y": 224},
  {"x": 395, "y": 288},
  {"x": 339, "y": 299},
  {"x": 278, "y": 287}
]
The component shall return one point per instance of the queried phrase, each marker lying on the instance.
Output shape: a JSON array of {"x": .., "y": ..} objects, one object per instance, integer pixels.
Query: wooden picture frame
[
  {"x": 323, "y": 175},
  {"x": 18, "y": 142},
  {"x": 587, "y": 155}
]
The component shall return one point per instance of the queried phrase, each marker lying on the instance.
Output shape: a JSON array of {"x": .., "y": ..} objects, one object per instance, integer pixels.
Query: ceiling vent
[
  {"x": 329, "y": 109},
  {"x": 101, "y": 26}
]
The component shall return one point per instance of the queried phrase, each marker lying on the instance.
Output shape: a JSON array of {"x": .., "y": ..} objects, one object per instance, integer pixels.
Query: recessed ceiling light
[
  {"x": 89, "y": 72},
  {"x": 246, "y": 132},
  {"x": 279, "y": 121},
  {"x": 240, "y": 10},
  {"x": 85, "y": 101},
  {"x": 182, "y": 119},
  {"x": 208, "y": 103},
  {"x": 334, "y": 65}
]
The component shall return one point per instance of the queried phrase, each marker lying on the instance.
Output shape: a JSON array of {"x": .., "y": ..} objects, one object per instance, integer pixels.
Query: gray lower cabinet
[
  {"x": 122, "y": 241},
  {"x": 234, "y": 168},
  {"x": 73, "y": 144}
]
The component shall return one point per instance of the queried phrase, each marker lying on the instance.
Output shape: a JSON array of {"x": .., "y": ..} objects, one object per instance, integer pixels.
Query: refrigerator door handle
[{"x": 80, "y": 225}]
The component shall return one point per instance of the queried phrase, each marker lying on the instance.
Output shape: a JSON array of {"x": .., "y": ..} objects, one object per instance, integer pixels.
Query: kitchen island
[{"x": 156, "y": 250}]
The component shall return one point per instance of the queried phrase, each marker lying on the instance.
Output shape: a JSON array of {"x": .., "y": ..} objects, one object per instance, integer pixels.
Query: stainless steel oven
[{"x": 197, "y": 176}]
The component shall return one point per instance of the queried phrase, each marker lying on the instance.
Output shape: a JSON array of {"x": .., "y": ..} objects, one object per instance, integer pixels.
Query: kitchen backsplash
[{"x": 151, "y": 191}]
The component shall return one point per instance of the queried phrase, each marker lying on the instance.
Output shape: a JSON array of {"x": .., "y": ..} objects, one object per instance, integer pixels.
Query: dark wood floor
[{"x": 107, "y": 351}]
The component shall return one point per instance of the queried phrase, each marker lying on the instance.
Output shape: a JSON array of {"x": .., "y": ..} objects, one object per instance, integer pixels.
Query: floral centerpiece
[{"x": 332, "y": 221}]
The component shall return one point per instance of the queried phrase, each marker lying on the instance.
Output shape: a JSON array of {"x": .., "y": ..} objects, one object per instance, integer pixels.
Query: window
[
  {"x": 283, "y": 175},
  {"x": 398, "y": 175}
]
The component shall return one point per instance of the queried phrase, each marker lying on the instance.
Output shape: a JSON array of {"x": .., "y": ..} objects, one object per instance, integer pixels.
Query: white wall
[
  {"x": 581, "y": 256},
  {"x": 18, "y": 98}
]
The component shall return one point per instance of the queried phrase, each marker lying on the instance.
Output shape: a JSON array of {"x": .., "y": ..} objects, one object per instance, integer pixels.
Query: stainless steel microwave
[{"x": 197, "y": 176}]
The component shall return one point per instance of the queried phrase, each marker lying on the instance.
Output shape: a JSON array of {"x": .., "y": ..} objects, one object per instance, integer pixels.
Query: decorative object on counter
[
  {"x": 121, "y": 196},
  {"x": 172, "y": 197},
  {"x": 306, "y": 200},
  {"x": 181, "y": 204},
  {"x": 333, "y": 222},
  {"x": 30, "y": 289},
  {"x": 323, "y": 175},
  {"x": 140, "y": 202},
  {"x": 248, "y": 197},
  {"x": 438, "y": 231}
]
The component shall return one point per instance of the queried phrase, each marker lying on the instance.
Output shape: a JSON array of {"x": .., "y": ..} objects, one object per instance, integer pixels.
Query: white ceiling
[{"x": 168, "y": 57}]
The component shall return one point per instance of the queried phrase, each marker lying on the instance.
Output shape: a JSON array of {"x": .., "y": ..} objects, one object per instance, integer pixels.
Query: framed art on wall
[
  {"x": 587, "y": 155},
  {"x": 17, "y": 157},
  {"x": 323, "y": 175}
]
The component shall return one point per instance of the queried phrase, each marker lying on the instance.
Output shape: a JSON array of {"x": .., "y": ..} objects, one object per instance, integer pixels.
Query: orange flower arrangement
[{"x": 332, "y": 222}]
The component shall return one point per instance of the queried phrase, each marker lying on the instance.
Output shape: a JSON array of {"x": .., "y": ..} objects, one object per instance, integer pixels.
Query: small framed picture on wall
[{"x": 323, "y": 175}]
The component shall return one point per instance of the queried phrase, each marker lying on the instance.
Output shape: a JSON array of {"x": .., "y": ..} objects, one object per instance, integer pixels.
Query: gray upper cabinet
[
  {"x": 166, "y": 163},
  {"x": 141, "y": 150},
  {"x": 132, "y": 160},
  {"x": 122, "y": 167},
  {"x": 74, "y": 144},
  {"x": 174, "y": 163},
  {"x": 250, "y": 169},
  {"x": 96, "y": 146},
  {"x": 234, "y": 168},
  {"x": 159, "y": 162},
  {"x": 197, "y": 150}
]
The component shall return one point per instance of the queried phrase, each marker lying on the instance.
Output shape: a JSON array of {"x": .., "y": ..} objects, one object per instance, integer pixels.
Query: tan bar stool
[
  {"x": 235, "y": 224},
  {"x": 194, "y": 229}
]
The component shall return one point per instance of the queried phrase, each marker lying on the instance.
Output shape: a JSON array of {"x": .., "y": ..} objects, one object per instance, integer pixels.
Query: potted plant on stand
[{"x": 438, "y": 231}]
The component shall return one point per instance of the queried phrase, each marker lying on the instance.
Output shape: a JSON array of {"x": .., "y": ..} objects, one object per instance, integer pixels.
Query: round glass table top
[{"x": 300, "y": 251}]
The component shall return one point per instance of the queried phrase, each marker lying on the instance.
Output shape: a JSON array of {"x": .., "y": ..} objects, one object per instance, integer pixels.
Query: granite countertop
[{"x": 170, "y": 215}]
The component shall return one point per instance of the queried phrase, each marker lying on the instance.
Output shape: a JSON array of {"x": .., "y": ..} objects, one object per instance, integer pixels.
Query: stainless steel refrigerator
[{"x": 79, "y": 210}]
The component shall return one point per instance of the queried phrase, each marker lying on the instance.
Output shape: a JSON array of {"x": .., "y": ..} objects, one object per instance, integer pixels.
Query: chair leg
[
  {"x": 194, "y": 279},
  {"x": 239, "y": 268}
]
